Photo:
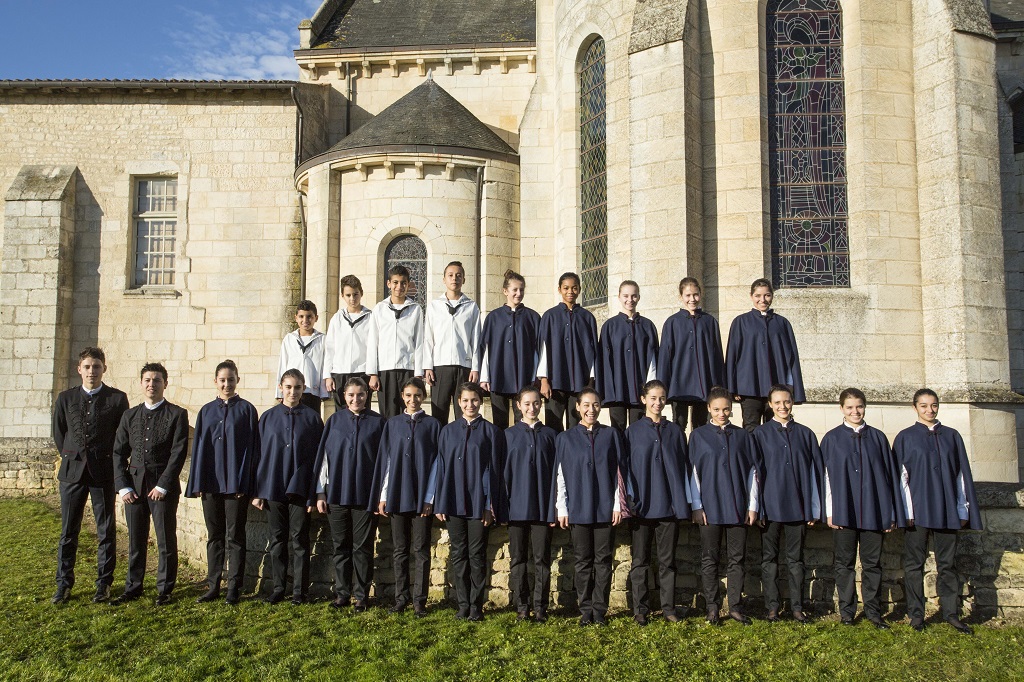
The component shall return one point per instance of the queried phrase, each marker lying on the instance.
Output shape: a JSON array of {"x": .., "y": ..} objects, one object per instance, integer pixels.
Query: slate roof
[
  {"x": 426, "y": 116},
  {"x": 1007, "y": 14},
  {"x": 402, "y": 23}
]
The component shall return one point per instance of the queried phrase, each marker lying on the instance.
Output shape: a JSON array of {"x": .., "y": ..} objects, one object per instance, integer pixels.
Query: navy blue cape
[
  {"x": 864, "y": 479},
  {"x": 626, "y": 349},
  {"x": 722, "y": 460},
  {"x": 761, "y": 352},
  {"x": 288, "y": 441},
  {"x": 690, "y": 359},
  {"x": 591, "y": 468},
  {"x": 657, "y": 469},
  {"x": 792, "y": 472},
  {"x": 349, "y": 446},
  {"x": 530, "y": 472},
  {"x": 570, "y": 338},
  {"x": 470, "y": 467},
  {"x": 225, "y": 449},
  {"x": 934, "y": 460},
  {"x": 407, "y": 449},
  {"x": 510, "y": 341}
]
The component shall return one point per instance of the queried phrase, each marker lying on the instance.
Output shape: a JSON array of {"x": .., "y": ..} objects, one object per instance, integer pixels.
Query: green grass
[{"x": 81, "y": 640}]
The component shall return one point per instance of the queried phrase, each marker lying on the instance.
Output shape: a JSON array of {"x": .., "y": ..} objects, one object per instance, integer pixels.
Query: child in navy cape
[
  {"x": 289, "y": 435},
  {"x": 939, "y": 500},
  {"x": 761, "y": 353},
  {"x": 660, "y": 499},
  {"x": 862, "y": 503},
  {"x": 530, "y": 483},
  {"x": 724, "y": 494},
  {"x": 344, "y": 466},
  {"x": 690, "y": 358},
  {"x": 225, "y": 451},
  {"x": 790, "y": 499},
  {"x": 508, "y": 346},
  {"x": 470, "y": 496},
  {"x": 400, "y": 490},
  {"x": 627, "y": 358},
  {"x": 591, "y": 465}
]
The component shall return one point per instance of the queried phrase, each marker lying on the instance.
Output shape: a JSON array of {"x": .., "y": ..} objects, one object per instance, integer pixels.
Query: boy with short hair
[
  {"x": 149, "y": 453},
  {"x": 345, "y": 355},
  {"x": 394, "y": 343},
  {"x": 85, "y": 421},
  {"x": 451, "y": 351},
  {"x": 304, "y": 350}
]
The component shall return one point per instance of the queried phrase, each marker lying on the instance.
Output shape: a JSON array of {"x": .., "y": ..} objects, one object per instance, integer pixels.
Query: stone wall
[{"x": 27, "y": 467}]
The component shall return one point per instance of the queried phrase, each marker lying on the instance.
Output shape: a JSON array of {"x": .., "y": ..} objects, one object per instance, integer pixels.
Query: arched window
[
  {"x": 593, "y": 178},
  {"x": 807, "y": 144},
  {"x": 410, "y": 251}
]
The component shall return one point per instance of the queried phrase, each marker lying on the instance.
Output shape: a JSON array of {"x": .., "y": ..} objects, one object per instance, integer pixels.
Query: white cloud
[{"x": 254, "y": 43}]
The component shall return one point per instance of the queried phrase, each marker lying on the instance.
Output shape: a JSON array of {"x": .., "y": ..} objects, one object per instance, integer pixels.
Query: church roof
[
  {"x": 1007, "y": 14},
  {"x": 426, "y": 116},
  {"x": 421, "y": 23}
]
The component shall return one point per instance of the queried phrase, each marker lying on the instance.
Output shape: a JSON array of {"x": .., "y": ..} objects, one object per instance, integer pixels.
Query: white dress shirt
[
  {"x": 395, "y": 338},
  {"x": 452, "y": 335},
  {"x": 346, "y": 342},
  {"x": 306, "y": 354}
]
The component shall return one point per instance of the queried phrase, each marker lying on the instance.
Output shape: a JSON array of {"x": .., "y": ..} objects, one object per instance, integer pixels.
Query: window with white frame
[{"x": 156, "y": 225}]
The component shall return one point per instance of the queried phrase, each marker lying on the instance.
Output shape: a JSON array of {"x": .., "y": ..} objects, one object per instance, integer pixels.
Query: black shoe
[
  {"x": 276, "y": 597},
  {"x": 846, "y": 621},
  {"x": 476, "y": 614},
  {"x": 739, "y": 618},
  {"x": 671, "y": 616},
  {"x": 400, "y": 605},
  {"x": 586, "y": 619},
  {"x": 61, "y": 595},
  {"x": 799, "y": 617},
  {"x": 773, "y": 616},
  {"x": 640, "y": 618},
  {"x": 211, "y": 595},
  {"x": 917, "y": 624},
  {"x": 360, "y": 606},
  {"x": 599, "y": 619},
  {"x": 522, "y": 614},
  {"x": 126, "y": 597},
  {"x": 163, "y": 599},
  {"x": 420, "y": 610},
  {"x": 298, "y": 599},
  {"x": 102, "y": 594},
  {"x": 879, "y": 623},
  {"x": 960, "y": 626},
  {"x": 342, "y": 602},
  {"x": 462, "y": 613},
  {"x": 232, "y": 597},
  {"x": 713, "y": 617},
  {"x": 540, "y": 616}
]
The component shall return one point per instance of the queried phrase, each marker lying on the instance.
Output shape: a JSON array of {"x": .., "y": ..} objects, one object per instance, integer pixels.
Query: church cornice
[{"x": 502, "y": 57}]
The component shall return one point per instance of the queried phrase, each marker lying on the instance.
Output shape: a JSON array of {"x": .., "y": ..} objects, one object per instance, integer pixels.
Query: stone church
[{"x": 866, "y": 155}]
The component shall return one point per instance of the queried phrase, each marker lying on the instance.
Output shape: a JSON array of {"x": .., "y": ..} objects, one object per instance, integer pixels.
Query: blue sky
[{"x": 209, "y": 39}]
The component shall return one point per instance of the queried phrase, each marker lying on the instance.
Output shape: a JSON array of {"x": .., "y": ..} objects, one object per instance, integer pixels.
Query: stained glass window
[
  {"x": 593, "y": 178},
  {"x": 156, "y": 227},
  {"x": 410, "y": 251},
  {"x": 807, "y": 144}
]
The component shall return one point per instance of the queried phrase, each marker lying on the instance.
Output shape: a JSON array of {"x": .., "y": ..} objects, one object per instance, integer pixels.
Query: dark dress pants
[
  {"x": 501, "y": 404},
  {"x": 561, "y": 410},
  {"x": 389, "y": 398},
  {"x": 696, "y": 410},
  {"x": 411, "y": 530},
  {"x": 756, "y": 411},
  {"x": 666, "y": 533},
  {"x": 339, "y": 388},
  {"x": 468, "y": 561},
  {"x": 352, "y": 533},
  {"x": 622, "y": 415},
  {"x": 771, "y": 538},
  {"x": 289, "y": 530},
  {"x": 72, "y": 510},
  {"x": 538, "y": 536},
  {"x": 915, "y": 552},
  {"x": 164, "y": 514},
  {"x": 710, "y": 551},
  {"x": 593, "y": 545},
  {"x": 225, "y": 517},
  {"x": 444, "y": 392},
  {"x": 846, "y": 542}
]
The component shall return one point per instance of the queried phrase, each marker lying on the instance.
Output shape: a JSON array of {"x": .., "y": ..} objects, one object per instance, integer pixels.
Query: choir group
[{"x": 555, "y": 466}]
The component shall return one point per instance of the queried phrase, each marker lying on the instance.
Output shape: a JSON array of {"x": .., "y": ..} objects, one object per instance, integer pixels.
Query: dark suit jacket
[
  {"x": 83, "y": 429},
  {"x": 150, "y": 448}
]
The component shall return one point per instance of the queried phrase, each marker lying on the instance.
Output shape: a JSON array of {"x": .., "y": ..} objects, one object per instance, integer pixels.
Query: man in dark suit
[
  {"x": 85, "y": 419},
  {"x": 149, "y": 452}
]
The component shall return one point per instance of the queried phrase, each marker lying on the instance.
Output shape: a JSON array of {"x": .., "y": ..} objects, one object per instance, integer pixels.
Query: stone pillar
[
  {"x": 35, "y": 297},
  {"x": 500, "y": 231},
  {"x": 323, "y": 232}
]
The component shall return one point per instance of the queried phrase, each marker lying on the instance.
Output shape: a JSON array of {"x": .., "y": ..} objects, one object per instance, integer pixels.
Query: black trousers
[
  {"x": 444, "y": 392},
  {"x": 312, "y": 401},
  {"x": 623, "y": 415},
  {"x": 593, "y": 545},
  {"x": 666, "y": 533},
  {"x": 411, "y": 531},
  {"x": 771, "y": 537},
  {"x": 736, "y": 551},
  {"x": 72, "y": 510},
  {"x": 339, "y": 388},
  {"x": 353, "y": 530},
  {"x": 561, "y": 410},
  {"x": 225, "y": 517},
  {"x": 915, "y": 552},
  {"x": 501, "y": 403},
  {"x": 697, "y": 411},
  {"x": 756, "y": 411},
  {"x": 468, "y": 561},
  {"x": 538, "y": 536},
  {"x": 164, "y": 514},
  {"x": 389, "y": 399},
  {"x": 846, "y": 542},
  {"x": 289, "y": 530}
]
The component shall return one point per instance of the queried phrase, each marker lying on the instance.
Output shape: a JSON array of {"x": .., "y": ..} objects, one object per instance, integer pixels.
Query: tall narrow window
[
  {"x": 156, "y": 226},
  {"x": 593, "y": 178},
  {"x": 410, "y": 251},
  {"x": 807, "y": 144}
]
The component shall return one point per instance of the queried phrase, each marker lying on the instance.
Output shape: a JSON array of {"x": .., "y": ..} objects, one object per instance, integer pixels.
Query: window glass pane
[
  {"x": 593, "y": 178},
  {"x": 155, "y": 231}
]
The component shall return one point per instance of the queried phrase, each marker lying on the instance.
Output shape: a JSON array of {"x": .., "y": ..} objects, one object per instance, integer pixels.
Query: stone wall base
[{"x": 28, "y": 466}]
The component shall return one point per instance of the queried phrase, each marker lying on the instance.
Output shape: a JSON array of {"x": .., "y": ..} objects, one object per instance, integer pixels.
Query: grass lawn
[{"x": 255, "y": 641}]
